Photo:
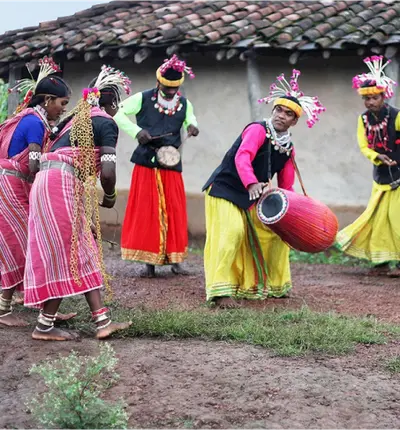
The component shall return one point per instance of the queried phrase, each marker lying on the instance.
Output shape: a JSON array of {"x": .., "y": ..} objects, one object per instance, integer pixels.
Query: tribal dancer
[
  {"x": 155, "y": 225},
  {"x": 63, "y": 258},
  {"x": 22, "y": 139},
  {"x": 375, "y": 235},
  {"x": 243, "y": 258}
]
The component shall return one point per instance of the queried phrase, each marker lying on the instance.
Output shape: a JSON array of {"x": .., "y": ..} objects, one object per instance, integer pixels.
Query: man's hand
[
  {"x": 143, "y": 137},
  {"x": 108, "y": 202},
  {"x": 255, "y": 190},
  {"x": 192, "y": 131},
  {"x": 386, "y": 160}
]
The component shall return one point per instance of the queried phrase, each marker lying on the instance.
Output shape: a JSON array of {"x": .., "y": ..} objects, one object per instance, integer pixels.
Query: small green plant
[
  {"x": 393, "y": 365},
  {"x": 3, "y": 100},
  {"x": 331, "y": 256},
  {"x": 74, "y": 388}
]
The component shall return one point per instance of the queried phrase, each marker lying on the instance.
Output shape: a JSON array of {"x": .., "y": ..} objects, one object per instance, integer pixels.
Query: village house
[{"x": 236, "y": 49}]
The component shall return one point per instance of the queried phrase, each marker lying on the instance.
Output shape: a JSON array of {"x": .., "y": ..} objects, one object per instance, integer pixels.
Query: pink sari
[
  {"x": 48, "y": 272},
  {"x": 14, "y": 206}
]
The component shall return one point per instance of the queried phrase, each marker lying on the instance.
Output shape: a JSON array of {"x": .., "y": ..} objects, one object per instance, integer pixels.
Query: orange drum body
[{"x": 303, "y": 223}]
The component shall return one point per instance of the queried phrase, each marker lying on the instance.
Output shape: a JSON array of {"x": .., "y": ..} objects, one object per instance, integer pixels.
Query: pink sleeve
[
  {"x": 287, "y": 175},
  {"x": 252, "y": 139}
]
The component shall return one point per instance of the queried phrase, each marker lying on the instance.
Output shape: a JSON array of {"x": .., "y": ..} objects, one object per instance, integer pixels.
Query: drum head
[
  {"x": 168, "y": 156},
  {"x": 272, "y": 207}
]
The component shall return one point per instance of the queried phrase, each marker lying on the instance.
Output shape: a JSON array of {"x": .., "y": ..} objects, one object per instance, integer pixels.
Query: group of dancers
[{"x": 50, "y": 237}]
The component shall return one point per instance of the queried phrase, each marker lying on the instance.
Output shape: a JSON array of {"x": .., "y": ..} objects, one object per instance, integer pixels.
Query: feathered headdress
[
  {"x": 172, "y": 72},
  {"x": 108, "y": 77},
  {"x": 28, "y": 86},
  {"x": 289, "y": 95},
  {"x": 374, "y": 82}
]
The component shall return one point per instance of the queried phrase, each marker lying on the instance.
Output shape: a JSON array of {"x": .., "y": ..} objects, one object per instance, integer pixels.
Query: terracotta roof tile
[
  {"x": 287, "y": 24},
  {"x": 275, "y": 17},
  {"x": 226, "y": 30},
  {"x": 228, "y": 18},
  {"x": 254, "y": 16}
]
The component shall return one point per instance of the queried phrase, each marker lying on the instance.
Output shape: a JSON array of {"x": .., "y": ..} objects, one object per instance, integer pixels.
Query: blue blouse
[{"x": 29, "y": 130}]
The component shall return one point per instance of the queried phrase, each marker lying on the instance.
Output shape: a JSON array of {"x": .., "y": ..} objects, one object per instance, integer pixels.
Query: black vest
[
  {"x": 226, "y": 182},
  {"x": 156, "y": 123},
  {"x": 384, "y": 174}
]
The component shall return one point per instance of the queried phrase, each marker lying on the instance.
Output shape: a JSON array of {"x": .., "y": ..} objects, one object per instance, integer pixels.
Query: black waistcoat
[
  {"x": 226, "y": 182},
  {"x": 383, "y": 174},
  {"x": 156, "y": 123}
]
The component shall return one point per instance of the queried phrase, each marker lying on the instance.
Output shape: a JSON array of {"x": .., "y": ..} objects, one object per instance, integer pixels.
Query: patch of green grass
[
  {"x": 285, "y": 332},
  {"x": 196, "y": 251},
  {"x": 331, "y": 256},
  {"x": 393, "y": 365}
]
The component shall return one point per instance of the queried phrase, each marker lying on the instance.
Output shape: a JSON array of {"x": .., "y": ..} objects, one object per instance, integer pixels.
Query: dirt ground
[{"x": 196, "y": 384}]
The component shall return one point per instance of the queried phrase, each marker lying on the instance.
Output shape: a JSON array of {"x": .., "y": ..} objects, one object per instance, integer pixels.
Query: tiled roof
[{"x": 122, "y": 28}]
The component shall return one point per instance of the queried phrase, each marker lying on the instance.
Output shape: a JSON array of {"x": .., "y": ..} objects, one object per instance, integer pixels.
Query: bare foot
[
  {"x": 227, "y": 303},
  {"x": 55, "y": 334},
  {"x": 148, "y": 272},
  {"x": 113, "y": 327},
  {"x": 17, "y": 300},
  {"x": 11, "y": 320},
  {"x": 380, "y": 269},
  {"x": 65, "y": 317},
  {"x": 177, "y": 269}
]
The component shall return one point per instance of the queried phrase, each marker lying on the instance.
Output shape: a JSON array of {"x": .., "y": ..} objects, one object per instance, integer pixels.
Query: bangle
[
  {"x": 34, "y": 155},
  {"x": 108, "y": 157},
  {"x": 111, "y": 196}
]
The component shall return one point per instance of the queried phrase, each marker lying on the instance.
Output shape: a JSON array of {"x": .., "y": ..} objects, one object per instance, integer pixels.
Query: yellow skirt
[
  {"x": 375, "y": 235},
  {"x": 242, "y": 257}
]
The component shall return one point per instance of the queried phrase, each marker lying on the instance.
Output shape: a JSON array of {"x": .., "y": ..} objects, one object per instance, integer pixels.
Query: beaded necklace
[
  {"x": 280, "y": 142},
  {"x": 167, "y": 107},
  {"x": 377, "y": 134},
  {"x": 43, "y": 116}
]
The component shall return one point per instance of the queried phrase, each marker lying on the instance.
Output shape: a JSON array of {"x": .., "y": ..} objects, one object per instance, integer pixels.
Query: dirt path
[
  {"x": 215, "y": 385},
  {"x": 194, "y": 384},
  {"x": 347, "y": 290}
]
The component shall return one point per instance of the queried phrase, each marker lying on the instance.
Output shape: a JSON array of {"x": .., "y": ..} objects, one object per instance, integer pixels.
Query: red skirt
[{"x": 155, "y": 224}]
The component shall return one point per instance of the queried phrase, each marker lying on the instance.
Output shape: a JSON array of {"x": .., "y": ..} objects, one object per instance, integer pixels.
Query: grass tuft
[
  {"x": 285, "y": 332},
  {"x": 331, "y": 256},
  {"x": 393, "y": 365}
]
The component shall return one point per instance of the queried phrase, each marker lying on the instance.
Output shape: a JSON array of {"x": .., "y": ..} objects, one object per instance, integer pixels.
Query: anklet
[
  {"x": 5, "y": 315},
  {"x": 47, "y": 321},
  {"x": 103, "y": 326},
  {"x": 5, "y": 305},
  {"x": 100, "y": 311},
  {"x": 44, "y": 330}
]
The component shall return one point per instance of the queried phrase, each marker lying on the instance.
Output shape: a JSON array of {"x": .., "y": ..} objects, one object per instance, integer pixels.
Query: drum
[
  {"x": 303, "y": 223},
  {"x": 168, "y": 156}
]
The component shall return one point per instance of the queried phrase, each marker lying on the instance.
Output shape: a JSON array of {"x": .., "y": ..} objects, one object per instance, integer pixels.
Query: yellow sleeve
[
  {"x": 190, "y": 118},
  {"x": 397, "y": 122},
  {"x": 363, "y": 143},
  {"x": 130, "y": 106}
]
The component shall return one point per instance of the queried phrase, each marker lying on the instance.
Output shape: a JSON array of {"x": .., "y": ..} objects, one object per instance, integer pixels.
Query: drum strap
[
  {"x": 269, "y": 169},
  {"x": 296, "y": 169}
]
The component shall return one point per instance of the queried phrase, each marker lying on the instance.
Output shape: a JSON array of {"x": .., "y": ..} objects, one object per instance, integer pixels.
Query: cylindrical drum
[{"x": 303, "y": 223}]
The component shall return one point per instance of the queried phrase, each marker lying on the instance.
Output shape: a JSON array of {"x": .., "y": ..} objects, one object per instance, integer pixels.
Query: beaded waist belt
[
  {"x": 9, "y": 172},
  {"x": 54, "y": 164}
]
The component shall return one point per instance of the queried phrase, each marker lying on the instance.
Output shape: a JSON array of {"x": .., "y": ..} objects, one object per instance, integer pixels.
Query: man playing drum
[
  {"x": 375, "y": 235},
  {"x": 243, "y": 258},
  {"x": 154, "y": 231}
]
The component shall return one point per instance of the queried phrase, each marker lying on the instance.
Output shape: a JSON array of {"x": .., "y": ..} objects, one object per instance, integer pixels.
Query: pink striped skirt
[
  {"x": 14, "y": 209},
  {"x": 48, "y": 273}
]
